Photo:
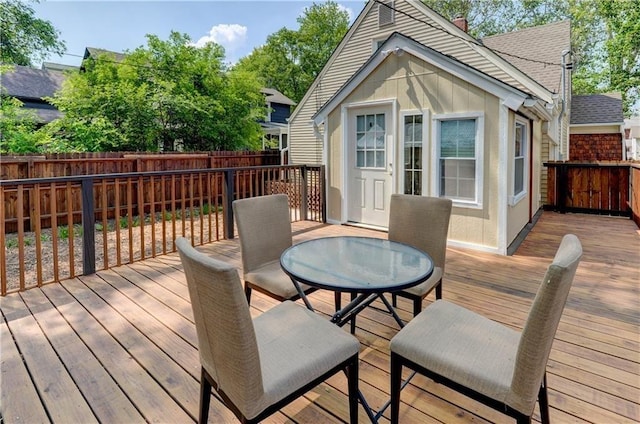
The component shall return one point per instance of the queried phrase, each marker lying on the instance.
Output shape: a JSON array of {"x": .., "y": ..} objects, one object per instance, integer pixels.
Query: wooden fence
[
  {"x": 58, "y": 165},
  {"x": 635, "y": 193},
  {"x": 601, "y": 188},
  {"x": 128, "y": 217},
  {"x": 67, "y": 164}
]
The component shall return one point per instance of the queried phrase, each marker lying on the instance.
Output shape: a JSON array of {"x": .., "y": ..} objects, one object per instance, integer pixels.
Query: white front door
[{"x": 369, "y": 166}]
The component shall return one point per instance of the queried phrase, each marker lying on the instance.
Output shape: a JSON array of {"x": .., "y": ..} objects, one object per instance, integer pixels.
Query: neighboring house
[
  {"x": 30, "y": 86},
  {"x": 51, "y": 66},
  {"x": 93, "y": 53},
  {"x": 595, "y": 133},
  {"x": 632, "y": 138},
  {"x": 410, "y": 103},
  {"x": 275, "y": 126}
]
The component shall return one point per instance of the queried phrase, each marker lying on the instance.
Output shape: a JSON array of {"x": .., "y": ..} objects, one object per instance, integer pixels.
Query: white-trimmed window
[
  {"x": 459, "y": 143},
  {"x": 413, "y": 135},
  {"x": 520, "y": 160}
]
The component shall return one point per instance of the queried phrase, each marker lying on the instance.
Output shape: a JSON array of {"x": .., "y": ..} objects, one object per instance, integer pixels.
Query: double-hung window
[
  {"x": 520, "y": 160},
  {"x": 459, "y": 158}
]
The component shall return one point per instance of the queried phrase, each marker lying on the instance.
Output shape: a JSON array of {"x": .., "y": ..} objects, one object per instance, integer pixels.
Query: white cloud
[
  {"x": 348, "y": 10},
  {"x": 229, "y": 36}
]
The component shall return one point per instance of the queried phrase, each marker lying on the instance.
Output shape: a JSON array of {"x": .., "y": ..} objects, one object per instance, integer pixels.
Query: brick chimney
[{"x": 461, "y": 22}]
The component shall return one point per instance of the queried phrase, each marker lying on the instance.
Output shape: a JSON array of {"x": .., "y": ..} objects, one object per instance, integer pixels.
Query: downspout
[
  {"x": 565, "y": 66},
  {"x": 530, "y": 171}
]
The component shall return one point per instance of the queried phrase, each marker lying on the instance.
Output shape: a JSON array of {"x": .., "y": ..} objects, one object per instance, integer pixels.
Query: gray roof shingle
[
  {"x": 597, "y": 109},
  {"x": 544, "y": 43},
  {"x": 95, "y": 52},
  {"x": 274, "y": 96},
  {"x": 26, "y": 83}
]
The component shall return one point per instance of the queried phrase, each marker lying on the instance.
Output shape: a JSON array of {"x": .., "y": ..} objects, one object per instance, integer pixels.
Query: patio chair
[
  {"x": 421, "y": 222},
  {"x": 264, "y": 227},
  {"x": 485, "y": 360},
  {"x": 258, "y": 366}
]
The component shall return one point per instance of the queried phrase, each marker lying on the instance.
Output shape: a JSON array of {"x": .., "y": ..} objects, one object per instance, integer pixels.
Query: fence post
[
  {"x": 304, "y": 201},
  {"x": 227, "y": 211},
  {"x": 88, "y": 232},
  {"x": 323, "y": 194},
  {"x": 562, "y": 187}
]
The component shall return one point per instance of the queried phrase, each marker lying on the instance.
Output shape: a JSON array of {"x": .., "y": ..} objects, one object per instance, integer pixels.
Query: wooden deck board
[{"x": 120, "y": 345}]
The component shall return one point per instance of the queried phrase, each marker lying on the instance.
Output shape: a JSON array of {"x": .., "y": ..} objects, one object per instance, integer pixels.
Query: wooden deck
[{"x": 120, "y": 347}]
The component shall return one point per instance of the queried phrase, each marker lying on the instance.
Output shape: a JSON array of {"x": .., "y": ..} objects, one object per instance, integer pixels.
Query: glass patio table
[{"x": 367, "y": 267}]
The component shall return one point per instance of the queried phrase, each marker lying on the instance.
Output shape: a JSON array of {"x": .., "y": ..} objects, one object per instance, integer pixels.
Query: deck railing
[
  {"x": 601, "y": 188},
  {"x": 69, "y": 226}
]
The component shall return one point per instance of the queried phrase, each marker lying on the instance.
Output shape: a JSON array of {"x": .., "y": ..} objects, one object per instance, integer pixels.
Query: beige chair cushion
[
  {"x": 264, "y": 227},
  {"x": 461, "y": 345},
  {"x": 297, "y": 346},
  {"x": 259, "y": 362},
  {"x": 272, "y": 278},
  {"x": 422, "y": 222},
  {"x": 486, "y": 356},
  {"x": 424, "y": 288}
]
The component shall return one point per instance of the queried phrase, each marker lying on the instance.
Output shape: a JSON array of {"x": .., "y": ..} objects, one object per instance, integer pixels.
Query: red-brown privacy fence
[
  {"x": 67, "y": 164},
  {"x": 71, "y": 164},
  {"x": 611, "y": 188},
  {"x": 127, "y": 217}
]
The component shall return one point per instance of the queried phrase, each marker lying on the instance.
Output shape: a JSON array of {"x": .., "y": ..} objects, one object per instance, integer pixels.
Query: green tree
[
  {"x": 23, "y": 37},
  {"x": 17, "y": 125},
  {"x": 490, "y": 17},
  {"x": 605, "y": 36},
  {"x": 169, "y": 93},
  {"x": 290, "y": 60}
]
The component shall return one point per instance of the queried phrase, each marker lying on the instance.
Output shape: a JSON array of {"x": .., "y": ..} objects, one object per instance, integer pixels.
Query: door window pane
[{"x": 370, "y": 141}]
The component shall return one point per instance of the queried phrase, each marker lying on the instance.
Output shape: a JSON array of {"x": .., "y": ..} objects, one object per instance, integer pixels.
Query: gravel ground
[{"x": 45, "y": 260}]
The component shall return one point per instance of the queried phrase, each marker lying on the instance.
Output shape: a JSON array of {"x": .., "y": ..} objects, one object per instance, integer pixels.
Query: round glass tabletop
[{"x": 356, "y": 264}]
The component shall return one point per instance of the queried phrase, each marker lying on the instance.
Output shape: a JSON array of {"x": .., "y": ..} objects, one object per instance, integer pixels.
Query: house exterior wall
[
  {"x": 519, "y": 213},
  {"x": 593, "y": 147},
  {"x": 280, "y": 112},
  {"x": 416, "y": 86},
  {"x": 306, "y": 147}
]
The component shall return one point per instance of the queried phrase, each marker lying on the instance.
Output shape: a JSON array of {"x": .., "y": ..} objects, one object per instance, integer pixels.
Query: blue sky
[{"x": 238, "y": 25}]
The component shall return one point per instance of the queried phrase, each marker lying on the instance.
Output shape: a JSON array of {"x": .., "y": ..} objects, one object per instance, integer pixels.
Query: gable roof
[
  {"x": 442, "y": 36},
  {"x": 545, "y": 43},
  {"x": 27, "y": 83},
  {"x": 95, "y": 52},
  {"x": 399, "y": 44},
  {"x": 597, "y": 109},
  {"x": 274, "y": 96},
  {"x": 30, "y": 85}
]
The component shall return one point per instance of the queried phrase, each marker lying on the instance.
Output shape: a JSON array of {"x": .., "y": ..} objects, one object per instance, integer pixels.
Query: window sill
[{"x": 514, "y": 200}]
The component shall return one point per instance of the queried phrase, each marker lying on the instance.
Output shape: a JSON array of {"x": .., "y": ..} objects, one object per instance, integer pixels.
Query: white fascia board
[
  {"x": 511, "y": 96},
  {"x": 538, "y": 109},
  {"x": 596, "y": 124}
]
